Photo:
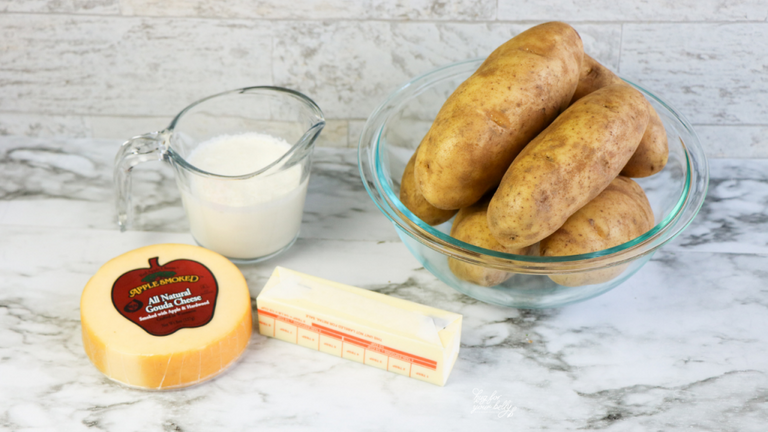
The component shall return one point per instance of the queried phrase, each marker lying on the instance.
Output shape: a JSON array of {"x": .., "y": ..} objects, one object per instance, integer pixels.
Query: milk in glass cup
[{"x": 241, "y": 161}]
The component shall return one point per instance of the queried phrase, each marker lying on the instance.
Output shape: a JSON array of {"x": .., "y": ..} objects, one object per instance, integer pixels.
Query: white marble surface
[{"x": 680, "y": 346}]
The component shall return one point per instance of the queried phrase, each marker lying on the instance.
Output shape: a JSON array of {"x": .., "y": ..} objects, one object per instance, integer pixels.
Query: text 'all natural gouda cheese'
[{"x": 165, "y": 316}]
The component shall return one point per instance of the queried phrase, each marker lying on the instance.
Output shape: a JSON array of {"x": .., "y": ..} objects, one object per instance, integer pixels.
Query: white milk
[{"x": 244, "y": 218}]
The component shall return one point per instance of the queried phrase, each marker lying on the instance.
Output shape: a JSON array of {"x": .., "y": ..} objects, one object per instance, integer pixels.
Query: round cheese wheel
[{"x": 165, "y": 316}]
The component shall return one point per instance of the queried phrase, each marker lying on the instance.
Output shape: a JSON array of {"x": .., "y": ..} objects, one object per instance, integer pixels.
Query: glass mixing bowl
[{"x": 394, "y": 131}]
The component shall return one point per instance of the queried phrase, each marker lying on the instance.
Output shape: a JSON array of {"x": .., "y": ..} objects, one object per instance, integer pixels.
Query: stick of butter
[{"x": 397, "y": 335}]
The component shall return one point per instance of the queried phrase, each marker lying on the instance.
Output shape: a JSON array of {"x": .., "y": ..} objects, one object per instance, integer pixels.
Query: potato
[
  {"x": 415, "y": 202},
  {"x": 567, "y": 165},
  {"x": 652, "y": 153},
  {"x": 593, "y": 76},
  {"x": 519, "y": 89},
  {"x": 619, "y": 214},
  {"x": 470, "y": 226}
]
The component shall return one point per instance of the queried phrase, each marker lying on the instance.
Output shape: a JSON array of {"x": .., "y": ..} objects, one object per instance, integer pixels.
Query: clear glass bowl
[{"x": 394, "y": 131}]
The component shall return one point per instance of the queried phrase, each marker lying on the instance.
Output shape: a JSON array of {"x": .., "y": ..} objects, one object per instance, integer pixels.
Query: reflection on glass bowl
[{"x": 396, "y": 128}]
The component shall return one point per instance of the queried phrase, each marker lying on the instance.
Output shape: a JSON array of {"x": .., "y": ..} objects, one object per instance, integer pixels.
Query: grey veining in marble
[
  {"x": 68, "y": 183},
  {"x": 734, "y": 217},
  {"x": 680, "y": 346}
]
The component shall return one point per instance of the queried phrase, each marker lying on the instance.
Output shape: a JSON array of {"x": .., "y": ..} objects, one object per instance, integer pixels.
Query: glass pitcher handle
[{"x": 143, "y": 148}]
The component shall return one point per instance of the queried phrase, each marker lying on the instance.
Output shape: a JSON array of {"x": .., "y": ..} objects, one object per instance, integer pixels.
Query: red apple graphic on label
[{"x": 162, "y": 299}]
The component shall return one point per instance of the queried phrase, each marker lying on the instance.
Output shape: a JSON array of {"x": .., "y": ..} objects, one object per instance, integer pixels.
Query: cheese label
[
  {"x": 165, "y": 316},
  {"x": 163, "y": 299}
]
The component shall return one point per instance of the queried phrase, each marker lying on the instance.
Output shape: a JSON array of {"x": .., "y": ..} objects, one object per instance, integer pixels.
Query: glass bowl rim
[{"x": 405, "y": 220}]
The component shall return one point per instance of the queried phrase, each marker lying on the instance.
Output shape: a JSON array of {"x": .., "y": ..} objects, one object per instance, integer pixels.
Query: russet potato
[
  {"x": 557, "y": 135},
  {"x": 412, "y": 199},
  {"x": 617, "y": 215},
  {"x": 519, "y": 89},
  {"x": 652, "y": 153},
  {"x": 567, "y": 165},
  {"x": 471, "y": 226}
]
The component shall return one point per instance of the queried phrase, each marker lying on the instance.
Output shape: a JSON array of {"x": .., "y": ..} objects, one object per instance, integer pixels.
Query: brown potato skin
[
  {"x": 593, "y": 76},
  {"x": 652, "y": 153},
  {"x": 471, "y": 226},
  {"x": 415, "y": 202},
  {"x": 567, "y": 165},
  {"x": 519, "y": 89},
  {"x": 619, "y": 214}
]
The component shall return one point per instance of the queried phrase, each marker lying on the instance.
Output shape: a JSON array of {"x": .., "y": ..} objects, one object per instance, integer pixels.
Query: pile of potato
[{"x": 534, "y": 151}]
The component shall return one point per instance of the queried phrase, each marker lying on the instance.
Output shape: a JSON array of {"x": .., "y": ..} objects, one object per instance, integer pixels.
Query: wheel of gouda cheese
[{"x": 165, "y": 316}]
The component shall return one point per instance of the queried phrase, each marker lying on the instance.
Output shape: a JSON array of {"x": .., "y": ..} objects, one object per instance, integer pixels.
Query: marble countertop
[{"x": 681, "y": 346}]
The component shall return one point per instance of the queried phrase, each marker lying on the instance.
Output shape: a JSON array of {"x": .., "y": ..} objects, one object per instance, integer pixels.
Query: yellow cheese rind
[
  {"x": 128, "y": 354},
  {"x": 360, "y": 325}
]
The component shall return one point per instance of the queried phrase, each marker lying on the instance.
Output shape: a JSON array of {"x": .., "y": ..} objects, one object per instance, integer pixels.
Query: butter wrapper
[{"x": 388, "y": 333}]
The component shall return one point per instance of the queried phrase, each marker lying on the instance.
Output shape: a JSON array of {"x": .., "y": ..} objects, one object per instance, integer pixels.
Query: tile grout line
[
  {"x": 349, "y": 140},
  {"x": 272, "y": 54},
  {"x": 621, "y": 48},
  {"x": 134, "y": 116},
  {"x": 382, "y": 20},
  {"x": 344, "y": 119}
]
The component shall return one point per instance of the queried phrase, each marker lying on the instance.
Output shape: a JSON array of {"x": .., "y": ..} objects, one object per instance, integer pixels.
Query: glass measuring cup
[{"x": 248, "y": 217}]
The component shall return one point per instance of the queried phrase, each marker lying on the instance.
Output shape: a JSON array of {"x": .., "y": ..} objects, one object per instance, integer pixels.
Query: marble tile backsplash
[{"x": 118, "y": 68}]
